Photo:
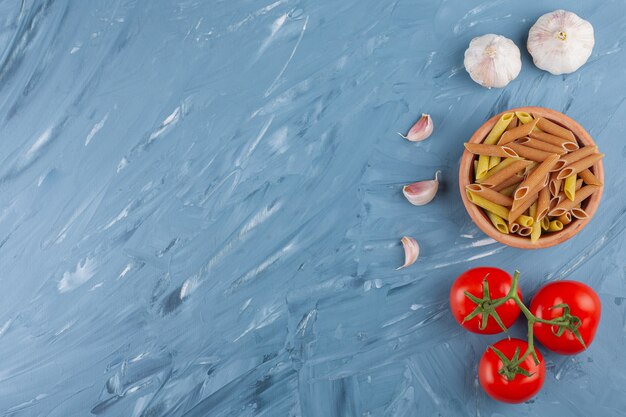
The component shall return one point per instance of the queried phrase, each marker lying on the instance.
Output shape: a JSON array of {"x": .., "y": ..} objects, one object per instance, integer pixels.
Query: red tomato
[
  {"x": 521, "y": 388},
  {"x": 583, "y": 303},
  {"x": 499, "y": 283}
]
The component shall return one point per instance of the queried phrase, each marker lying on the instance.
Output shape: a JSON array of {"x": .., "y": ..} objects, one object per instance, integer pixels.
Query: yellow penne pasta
[
  {"x": 490, "y": 206},
  {"x": 581, "y": 165},
  {"x": 554, "y": 129},
  {"x": 490, "y": 150},
  {"x": 569, "y": 187},
  {"x": 575, "y": 156},
  {"x": 524, "y": 117},
  {"x": 543, "y": 204},
  {"x": 517, "y": 133},
  {"x": 587, "y": 176},
  {"x": 498, "y": 223},
  {"x": 482, "y": 167},
  {"x": 536, "y": 177},
  {"x": 490, "y": 194},
  {"x": 493, "y": 161},
  {"x": 524, "y": 220},
  {"x": 532, "y": 210},
  {"x": 545, "y": 223},
  {"x": 566, "y": 205},
  {"x": 535, "y": 234},
  {"x": 529, "y": 153},
  {"x": 555, "y": 226},
  {"x": 491, "y": 139}
]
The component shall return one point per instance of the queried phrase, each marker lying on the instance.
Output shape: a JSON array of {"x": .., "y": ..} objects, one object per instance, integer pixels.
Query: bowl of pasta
[{"x": 531, "y": 177}]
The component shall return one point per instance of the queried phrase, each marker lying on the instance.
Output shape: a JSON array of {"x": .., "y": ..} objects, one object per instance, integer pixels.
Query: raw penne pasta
[
  {"x": 490, "y": 150},
  {"x": 554, "y": 140},
  {"x": 579, "y": 213},
  {"x": 508, "y": 191},
  {"x": 554, "y": 129},
  {"x": 499, "y": 223},
  {"x": 554, "y": 201},
  {"x": 532, "y": 176},
  {"x": 543, "y": 204},
  {"x": 541, "y": 145},
  {"x": 509, "y": 182},
  {"x": 524, "y": 220},
  {"x": 499, "y": 128},
  {"x": 536, "y": 177},
  {"x": 490, "y": 206},
  {"x": 503, "y": 164},
  {"x": 563, "y": 196},
  {"x": 555, "y": 226},
  {"x": 566, "y": 205},
  {"x": 581, "y": 165},
  {"x": 491, "y": 139},
  {"x": 587, "y": 176},
  {"x": 545, "y": 223},
  {"x": 569, "y": 187},
  {"x": 505, "y": 173},
  {"x": 528, "y": 152},
  {"x": 535, "y": 234},
  {"x": 554, "y": 184},
  {"x": 520, "y": 206},
  {"x": 565, "y": 218},
  {"x": 513, "y": 124},
  {"x": 572, "y": 157},
  {"x": 490, "y": 194},
  {"x": 482, "y": 166},
  {"x": 524, "y": 117},
  {"x": 517, "y": 133}
]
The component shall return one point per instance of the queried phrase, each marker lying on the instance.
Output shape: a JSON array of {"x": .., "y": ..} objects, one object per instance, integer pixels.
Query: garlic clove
[
  {"x": 411, "y": 251},
  {"x": 421, "y": 130},
  {"x": 560, "y": 42},
  {"x": 422, "y": 192},
  {"x": 492, "y": 60}
]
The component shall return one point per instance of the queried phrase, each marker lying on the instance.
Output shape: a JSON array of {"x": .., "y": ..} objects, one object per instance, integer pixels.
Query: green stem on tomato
[{"x": 487, "y": 307}]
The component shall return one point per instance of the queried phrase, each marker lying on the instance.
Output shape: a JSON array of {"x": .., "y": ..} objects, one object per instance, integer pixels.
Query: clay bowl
[{"x": 466, "y": 174}]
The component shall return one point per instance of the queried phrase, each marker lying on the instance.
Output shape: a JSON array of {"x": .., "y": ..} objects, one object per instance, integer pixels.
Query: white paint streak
[{"x": 84, "y": 271}]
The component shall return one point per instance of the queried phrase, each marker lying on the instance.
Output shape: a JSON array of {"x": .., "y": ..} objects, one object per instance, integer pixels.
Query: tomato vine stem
[{"x": 486, "y": 307}]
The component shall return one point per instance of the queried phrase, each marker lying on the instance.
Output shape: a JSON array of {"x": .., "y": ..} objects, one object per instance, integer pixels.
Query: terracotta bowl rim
[{"x": 479, "y": 217}]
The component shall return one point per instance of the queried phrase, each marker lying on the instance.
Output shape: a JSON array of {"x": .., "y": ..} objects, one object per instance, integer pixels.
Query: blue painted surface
[{"x": 200, "y": 208}]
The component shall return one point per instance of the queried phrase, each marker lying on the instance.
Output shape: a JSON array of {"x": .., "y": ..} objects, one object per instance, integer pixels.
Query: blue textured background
[{"x": 200, "y": 208}]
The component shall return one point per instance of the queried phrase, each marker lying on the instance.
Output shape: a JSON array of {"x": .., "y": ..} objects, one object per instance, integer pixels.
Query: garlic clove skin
[
  {"x": 560, "y": 42},
  {"x": 492, "y": 60},
  {"x": 421, "y": 130},
  {"x": 422, "y": 192},
  {"x": 411, "y": 251}
]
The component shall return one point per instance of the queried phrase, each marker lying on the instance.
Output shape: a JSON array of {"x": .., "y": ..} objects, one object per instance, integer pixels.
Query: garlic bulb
[
  {"x": 492, "y": 60},
  {"x": 560, "y": 42}
]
